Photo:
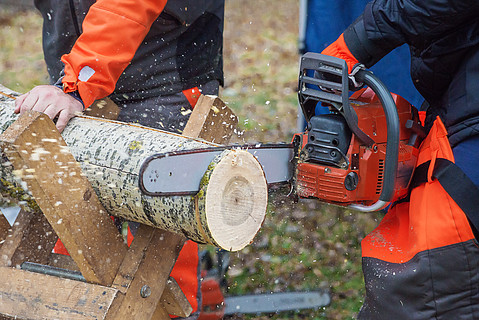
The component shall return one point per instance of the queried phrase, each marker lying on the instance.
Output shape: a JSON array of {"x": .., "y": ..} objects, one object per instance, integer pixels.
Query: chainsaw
[{"x": 361, "y": 155}]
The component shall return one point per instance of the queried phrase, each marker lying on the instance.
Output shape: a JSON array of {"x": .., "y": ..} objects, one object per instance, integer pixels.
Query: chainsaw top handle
[{"x": 331, "y": 84}]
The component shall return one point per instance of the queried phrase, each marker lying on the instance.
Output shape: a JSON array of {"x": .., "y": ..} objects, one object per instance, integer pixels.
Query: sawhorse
[{"x": 120, "y": 282}]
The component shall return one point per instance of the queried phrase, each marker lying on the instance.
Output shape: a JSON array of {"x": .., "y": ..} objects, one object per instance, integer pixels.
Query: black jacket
[{"x": 443, "y": 36}]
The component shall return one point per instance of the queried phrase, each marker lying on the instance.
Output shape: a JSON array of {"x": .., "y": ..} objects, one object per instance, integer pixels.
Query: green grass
[
  {"x": 21, "y": 56},
  {"x": 308, "y": 246}
]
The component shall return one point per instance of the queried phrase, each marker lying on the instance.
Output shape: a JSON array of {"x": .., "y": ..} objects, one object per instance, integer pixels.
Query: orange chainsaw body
[{"x": 360, "y": 178}]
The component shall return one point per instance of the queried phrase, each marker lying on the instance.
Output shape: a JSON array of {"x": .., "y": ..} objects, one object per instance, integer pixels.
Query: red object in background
[
  {"x": 213, "y": 307},
  {"x": 60, "y": 248},
  {"x": 422, "y": 117},
  {"x": 192, "y": 95}
]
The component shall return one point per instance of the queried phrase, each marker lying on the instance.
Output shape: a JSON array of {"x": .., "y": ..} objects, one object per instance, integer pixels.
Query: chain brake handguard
[{"x": 330, "y": 85}]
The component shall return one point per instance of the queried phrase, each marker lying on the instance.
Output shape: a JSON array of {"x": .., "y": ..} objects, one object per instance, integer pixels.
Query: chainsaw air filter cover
[{"x": 328, "y": 140}]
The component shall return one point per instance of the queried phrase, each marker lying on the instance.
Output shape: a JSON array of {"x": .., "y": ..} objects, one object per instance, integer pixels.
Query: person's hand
[
  {"x": 339, "y": 49},
  {"x": 52, "y": 101}
]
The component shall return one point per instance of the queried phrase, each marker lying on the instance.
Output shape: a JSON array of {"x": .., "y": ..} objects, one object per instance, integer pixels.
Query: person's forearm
[{"x": 112, "y": 32}]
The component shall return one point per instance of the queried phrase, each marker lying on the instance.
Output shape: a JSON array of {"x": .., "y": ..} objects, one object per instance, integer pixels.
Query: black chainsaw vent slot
[
  {"x": 379, "y": 185},
  {"x": 328, "y": 140}
]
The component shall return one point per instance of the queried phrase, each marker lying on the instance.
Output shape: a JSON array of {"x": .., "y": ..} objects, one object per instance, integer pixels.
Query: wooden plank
[
  {"x": 161, "y": 313},
  {"x": 62, "y": 261},
  {"x": 211, "y": 120},
  {"x": 37, "y": 242},
  {"x": 28, "y": 295},
  {"x": 4, "y": 227},
  {"x": 104, "y": 108},
  {"x": 31, "y": 238},
  {"x": 42, "y": 159},
  {"x": 14, "y": 238},
  {"x": 152, "y": 274},
  {"x": 133, "y": 258},
  {"x": 174, "y": 300}
]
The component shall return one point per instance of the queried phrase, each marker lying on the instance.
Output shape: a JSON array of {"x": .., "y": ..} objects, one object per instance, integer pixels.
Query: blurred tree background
[{"x": 303, "y": 246}]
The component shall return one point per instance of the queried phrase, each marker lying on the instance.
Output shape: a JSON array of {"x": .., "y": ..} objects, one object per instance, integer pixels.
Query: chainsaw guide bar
[
  {"x": 180, "y": 172},
  {"x": 276, "y": 302}
]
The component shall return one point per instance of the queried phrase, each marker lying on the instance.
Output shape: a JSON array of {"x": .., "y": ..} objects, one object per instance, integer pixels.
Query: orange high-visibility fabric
[
  {"x": 112, "y": 32},
  {"x": 59, "y": 248},
  {"x": 212, "y": 300},
  {"x": 431, "y": 219},
  {"x": 339, "y": 49},
  {"x": 192, "y": 95},
  {"x": 186, "y": 273}
]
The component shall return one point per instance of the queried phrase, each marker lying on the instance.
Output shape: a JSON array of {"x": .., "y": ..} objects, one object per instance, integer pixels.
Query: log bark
[{"x": 227, "y": 212}]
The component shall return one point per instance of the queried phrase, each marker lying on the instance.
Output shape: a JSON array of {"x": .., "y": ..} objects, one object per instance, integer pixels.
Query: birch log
[{"x": 227, "y": 212}]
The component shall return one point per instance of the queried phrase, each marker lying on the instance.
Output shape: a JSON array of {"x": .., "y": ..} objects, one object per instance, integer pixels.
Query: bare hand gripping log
[{"x": 227, "y": 212}]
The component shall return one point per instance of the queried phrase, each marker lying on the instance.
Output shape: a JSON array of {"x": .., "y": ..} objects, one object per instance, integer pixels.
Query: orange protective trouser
[{"x": 422, "y": 261}]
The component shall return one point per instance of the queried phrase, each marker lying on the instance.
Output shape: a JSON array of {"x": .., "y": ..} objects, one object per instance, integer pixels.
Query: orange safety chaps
[{"x": 422, "y": 261}]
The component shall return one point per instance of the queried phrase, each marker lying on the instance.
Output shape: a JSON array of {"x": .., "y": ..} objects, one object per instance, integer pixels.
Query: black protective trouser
[{"x": 165, "y": 112}]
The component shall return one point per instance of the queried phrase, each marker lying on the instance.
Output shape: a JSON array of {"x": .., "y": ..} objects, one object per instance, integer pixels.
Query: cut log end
[{"x": 235, "y": 200}]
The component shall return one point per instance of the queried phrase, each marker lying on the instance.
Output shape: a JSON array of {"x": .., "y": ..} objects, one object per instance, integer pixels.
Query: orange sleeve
[
  {"x": 112, "y": 32},
  {"x": 339, "y": 49}
]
